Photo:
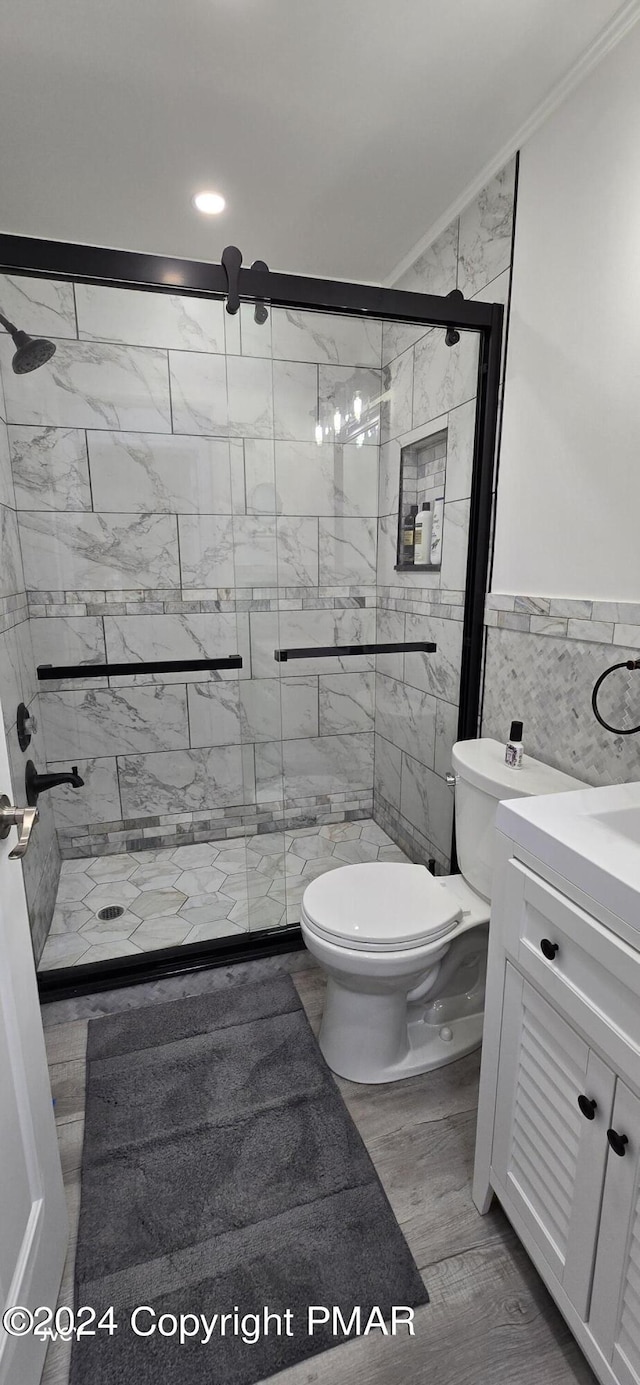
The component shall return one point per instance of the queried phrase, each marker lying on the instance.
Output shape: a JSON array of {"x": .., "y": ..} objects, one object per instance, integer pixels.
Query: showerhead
[{"x": 31, "y": 352}]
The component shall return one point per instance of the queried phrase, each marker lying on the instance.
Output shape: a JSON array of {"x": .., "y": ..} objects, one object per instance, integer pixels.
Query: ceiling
[{"x": 339, "y": 131}]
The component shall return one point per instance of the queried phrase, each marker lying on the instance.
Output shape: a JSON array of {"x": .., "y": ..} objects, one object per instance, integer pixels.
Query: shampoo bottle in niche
[
  {"x": 514, "y": 749},
  {"x": 422, "y": 547},
  {"x": 409, "y": 535},
  {"x": 436, "y": 533}
]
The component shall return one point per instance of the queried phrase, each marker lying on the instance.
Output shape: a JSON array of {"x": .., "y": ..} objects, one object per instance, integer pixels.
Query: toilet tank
[{"x": 483, "y": 780}]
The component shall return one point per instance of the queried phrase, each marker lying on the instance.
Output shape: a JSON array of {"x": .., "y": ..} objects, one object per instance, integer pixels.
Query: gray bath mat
[{"x": 222, "y": 1174}]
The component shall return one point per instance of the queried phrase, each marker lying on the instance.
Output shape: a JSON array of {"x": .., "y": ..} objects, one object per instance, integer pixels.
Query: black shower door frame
[{"x": 162, "y": 274}]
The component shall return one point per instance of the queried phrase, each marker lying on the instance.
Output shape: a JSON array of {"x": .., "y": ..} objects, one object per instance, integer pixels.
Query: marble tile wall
[
  {"x": 430, "y": 388},
  {"x": 543, "y": 657},
  {"x": 173, "y": 501},
  {"x": 41, "y": 865}
]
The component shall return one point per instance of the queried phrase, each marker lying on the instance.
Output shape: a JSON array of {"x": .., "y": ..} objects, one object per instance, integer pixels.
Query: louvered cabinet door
[
  {"x": 615, "y": 1314},
  {"x": 548, "y": 1156}
]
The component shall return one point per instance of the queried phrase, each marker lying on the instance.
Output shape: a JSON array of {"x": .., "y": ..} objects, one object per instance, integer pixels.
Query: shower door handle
[{"x": 24, "y": 819}]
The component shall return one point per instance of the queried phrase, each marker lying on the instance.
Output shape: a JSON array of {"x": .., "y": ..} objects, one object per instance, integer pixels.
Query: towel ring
[{"x": 617, "y": 730}]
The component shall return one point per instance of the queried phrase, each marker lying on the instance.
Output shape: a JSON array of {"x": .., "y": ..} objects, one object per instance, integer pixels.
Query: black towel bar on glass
[
  {"x": 342, "y": 651},
  {"x": 47, "y": 672}
]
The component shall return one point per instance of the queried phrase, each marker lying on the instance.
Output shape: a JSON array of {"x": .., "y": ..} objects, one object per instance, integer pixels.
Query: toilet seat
[{"x": 379, "y": 906}]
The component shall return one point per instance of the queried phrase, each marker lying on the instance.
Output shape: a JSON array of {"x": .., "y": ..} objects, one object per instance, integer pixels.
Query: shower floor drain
[{"x": 112, "y": 911}]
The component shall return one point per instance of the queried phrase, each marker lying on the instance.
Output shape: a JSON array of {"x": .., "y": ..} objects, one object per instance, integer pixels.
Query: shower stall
[{"x": 226, "y": 635}]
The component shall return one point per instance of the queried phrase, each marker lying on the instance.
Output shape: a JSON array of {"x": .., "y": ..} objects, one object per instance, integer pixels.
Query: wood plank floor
[{"x": 490, "y": 1321}]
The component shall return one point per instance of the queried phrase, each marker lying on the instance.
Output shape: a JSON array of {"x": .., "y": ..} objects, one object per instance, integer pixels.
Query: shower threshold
[{"x": 214, "y": 890}]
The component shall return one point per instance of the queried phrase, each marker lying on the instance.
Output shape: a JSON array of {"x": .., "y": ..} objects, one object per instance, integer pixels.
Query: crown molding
[{"x": 607, "y": 39}]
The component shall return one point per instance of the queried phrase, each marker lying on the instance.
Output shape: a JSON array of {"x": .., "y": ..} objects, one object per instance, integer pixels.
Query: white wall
[{"x": 568, "y": 517}]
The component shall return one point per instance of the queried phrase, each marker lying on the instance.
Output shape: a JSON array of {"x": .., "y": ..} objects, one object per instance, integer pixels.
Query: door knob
[
  {"x": 618, "y": 1142},
  {"x": 588, "y": 1106},
  {"x": 24, "y": 819},
  {"x": 548, "y": 949}
]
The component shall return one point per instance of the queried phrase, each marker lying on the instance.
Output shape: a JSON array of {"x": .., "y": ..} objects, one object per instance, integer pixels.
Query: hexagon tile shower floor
[{"x": 170, "y": 897}]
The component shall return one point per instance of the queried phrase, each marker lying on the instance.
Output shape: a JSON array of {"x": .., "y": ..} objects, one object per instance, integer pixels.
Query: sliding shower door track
[{"x": 63, "y": 983}]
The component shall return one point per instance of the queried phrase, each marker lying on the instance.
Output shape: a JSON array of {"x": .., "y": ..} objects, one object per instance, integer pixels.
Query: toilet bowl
[{"x": 404, "y": 951}]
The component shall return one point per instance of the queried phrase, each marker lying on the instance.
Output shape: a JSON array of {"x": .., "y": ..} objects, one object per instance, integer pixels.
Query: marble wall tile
[
  {"x": 347, "y": 551},
  {"x": 113, "y": 721},
  {"x": 11, "y": 570},
  {"x": 326, "y": 338},
  {"x": 260, "y": 477},
  {"x": 389, "y": 479},
  {"x": 437, "y": 673},
  {"x": 97, "y": 802},
  {"x": 228, "y": 397},
  {"x": 251, "y": 408},
  {"x": 214, "y": 714},
  {"x": 295, "y": 400},
  {"x": 69, "y": 640},
  {"x": 99, "y": 552},
  {"x": 271, "y": 630},
  {"x": 427, "y": 802},
  {"x": 50, "y": 468},
  {"x": 397, "y": 397},
  {"x": 326, "y": 765},
  {"x": 446, "y": 736},
  {"x": 326, "y": 480},
  {"x": 485, "y": 233},
  {"x": 92, "y": 385},
  {"x": 461, "y": 430},
  {"x": 455, "y": 536},
  {"x": 496, "y": 291},
  {"x": 346, "y": 702},
  {"x": 252, "y": 338},
  {"x": 436, "y": 268},
  {"x": 42, "y": 904},
  {"x": 444, "y": 376},
  {"x": 16, "y": 679},
  {"x": 41, "y": 307},
  {"x": 7, "y": 495},
  {"x": 211, "y": 635},
  {"x": 406, "y": 717},
  {"x": 251, "y": 551},
  {"x": 338, "y": 387},
  {"x": 297, "y": 550},
  {"x": 152, "y": 473},
  {"x": 390, "y": 629},
  {"x": 182, "y": 781},
  {"x": 137, "y": 318},
  {"x": 548, "y": 682},
  {"x": 387, "y": 771},
  {"x": 199, "y": 393},
  {"x": 276, "y": 708},
  {"x": 398, "y": 337},
  {"x": 206, "y": 551}
]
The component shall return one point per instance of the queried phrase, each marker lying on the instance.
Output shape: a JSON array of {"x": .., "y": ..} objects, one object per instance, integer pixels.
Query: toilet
[{"x": 405, "y": 951}]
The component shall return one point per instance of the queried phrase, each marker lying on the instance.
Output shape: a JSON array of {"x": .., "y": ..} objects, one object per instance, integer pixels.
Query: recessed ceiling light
[{"x": 209, "y": 202}]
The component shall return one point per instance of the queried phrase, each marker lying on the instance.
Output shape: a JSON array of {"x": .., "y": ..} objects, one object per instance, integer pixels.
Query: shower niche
[{"x": 423, "y": 466}]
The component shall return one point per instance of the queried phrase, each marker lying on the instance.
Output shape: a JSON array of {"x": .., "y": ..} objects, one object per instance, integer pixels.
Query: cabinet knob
[
  {"x": 618, "y": 1142},
  {"x": 548, "y": 949},
  {"x": 588, "y": 1106}
]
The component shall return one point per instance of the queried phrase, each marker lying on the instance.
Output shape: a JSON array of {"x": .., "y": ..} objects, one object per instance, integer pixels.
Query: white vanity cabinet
[{"x": 559, "y": 1119}]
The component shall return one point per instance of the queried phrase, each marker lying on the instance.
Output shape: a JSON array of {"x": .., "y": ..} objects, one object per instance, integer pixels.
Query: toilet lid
[{"x": 379, "y": 905}]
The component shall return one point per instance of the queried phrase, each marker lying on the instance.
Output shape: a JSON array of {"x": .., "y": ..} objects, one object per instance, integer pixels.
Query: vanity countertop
[{"x": 591, "y": 837}]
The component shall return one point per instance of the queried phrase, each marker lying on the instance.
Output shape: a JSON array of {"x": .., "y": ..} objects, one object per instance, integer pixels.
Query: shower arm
[{"x": 9, "y": 326}]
